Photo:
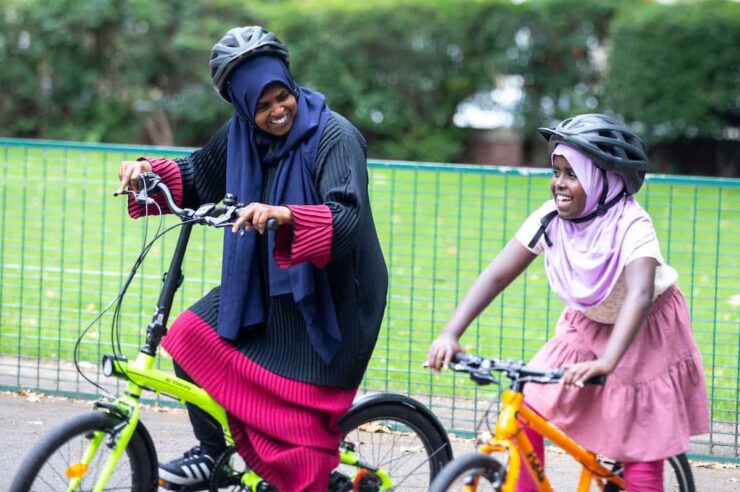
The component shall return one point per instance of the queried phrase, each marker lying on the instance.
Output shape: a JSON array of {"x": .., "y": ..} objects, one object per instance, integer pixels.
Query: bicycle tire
[
  {"x": 45, "y": 465},
  {"x": 681, "y": 480},
  {"x": 473, "y": 471},
  {"x": 397, "y": 439}
]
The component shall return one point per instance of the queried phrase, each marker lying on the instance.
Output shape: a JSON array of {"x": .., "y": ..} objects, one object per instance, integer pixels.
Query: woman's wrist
[{"x": 286, "y": 215}]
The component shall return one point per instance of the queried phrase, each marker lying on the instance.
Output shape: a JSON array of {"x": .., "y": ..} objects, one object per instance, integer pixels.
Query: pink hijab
[{"x": 586, "y": 259}]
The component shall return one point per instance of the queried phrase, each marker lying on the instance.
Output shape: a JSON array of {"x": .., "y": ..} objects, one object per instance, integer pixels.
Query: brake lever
[
  {"x": 224, "y": 220},
  {"x": 140, "y": 197},
  {"x": 228, "y": 216},
  {"x": 483, "y": 377}
]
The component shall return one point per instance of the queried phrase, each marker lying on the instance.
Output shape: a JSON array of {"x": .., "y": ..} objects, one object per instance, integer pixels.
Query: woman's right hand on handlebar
[
  {"x": 128, "y": 174},
  {"x": 442, "y": 350}
]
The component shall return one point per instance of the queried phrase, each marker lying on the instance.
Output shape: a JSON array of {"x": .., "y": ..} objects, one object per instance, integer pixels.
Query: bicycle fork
[
  {"x": 511, "y": 438},
  {"x": 117, "y": 440}
]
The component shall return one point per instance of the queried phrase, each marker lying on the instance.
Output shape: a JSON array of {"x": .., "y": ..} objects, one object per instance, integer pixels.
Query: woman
[{"x": 283, "y": 343}]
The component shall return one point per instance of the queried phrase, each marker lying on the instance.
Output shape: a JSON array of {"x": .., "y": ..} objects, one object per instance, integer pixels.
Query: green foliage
[
  {"x": 136, "y": 70},
  {"x": 676, "y": 69},
  {"x": 398, "y": 79},
  {"x": 554, "y": 51},
  {"x": 105, "y": 70}
]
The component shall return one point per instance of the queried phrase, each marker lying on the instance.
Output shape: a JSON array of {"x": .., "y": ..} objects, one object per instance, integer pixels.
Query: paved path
[{"x": 25, "y": 417}]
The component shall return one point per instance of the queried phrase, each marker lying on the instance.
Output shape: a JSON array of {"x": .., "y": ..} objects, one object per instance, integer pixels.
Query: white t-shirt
[{"x": 607, "y": 310}]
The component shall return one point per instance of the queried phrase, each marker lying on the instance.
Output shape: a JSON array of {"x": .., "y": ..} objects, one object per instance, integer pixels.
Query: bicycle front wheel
[
  {"x": 471, "y": 472},
  {"x": 398, "y": 440},
  {"x": 56, "y": 459}
]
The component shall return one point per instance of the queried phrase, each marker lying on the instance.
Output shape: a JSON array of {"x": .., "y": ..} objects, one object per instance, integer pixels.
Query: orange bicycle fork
[{"x": 510, "y": 437}]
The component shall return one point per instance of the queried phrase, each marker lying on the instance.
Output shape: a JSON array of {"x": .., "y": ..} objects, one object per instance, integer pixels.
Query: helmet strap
[{"x": 601, "y": 209}]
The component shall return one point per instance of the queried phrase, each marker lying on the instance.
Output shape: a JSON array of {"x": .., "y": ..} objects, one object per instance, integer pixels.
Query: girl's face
[
  {"x": 276, "y": 110},
  {"x": 570, "y": 198}
]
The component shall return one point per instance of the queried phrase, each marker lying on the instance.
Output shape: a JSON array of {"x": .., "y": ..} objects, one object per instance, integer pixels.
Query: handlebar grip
[
  {"x": 272, "y": 224},
  {"x": 463, "y": 357},
  {"x": 600, "y": 380}
]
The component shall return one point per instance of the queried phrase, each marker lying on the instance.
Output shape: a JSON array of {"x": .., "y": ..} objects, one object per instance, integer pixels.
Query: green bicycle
[{"x": 391, "y": 441}]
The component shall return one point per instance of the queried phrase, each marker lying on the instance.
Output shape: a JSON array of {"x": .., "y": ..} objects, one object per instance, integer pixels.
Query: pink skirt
[
  {"x": 652, "y": 402},
  {"x": 287, "y": 431}
]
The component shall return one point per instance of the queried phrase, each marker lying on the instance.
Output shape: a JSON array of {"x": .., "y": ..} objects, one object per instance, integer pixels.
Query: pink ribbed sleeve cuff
[
  {"x": 309, "y": 239},
  {"x": 168, "y": 170}
]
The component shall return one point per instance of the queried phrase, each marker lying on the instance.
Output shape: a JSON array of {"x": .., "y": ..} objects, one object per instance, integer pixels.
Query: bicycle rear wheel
[
  {"x": 677, "y": 475},
  {"x": 57, "y": 456},
  {"x": 398, "y": 440},
  {"x": 471, "y": 472}
]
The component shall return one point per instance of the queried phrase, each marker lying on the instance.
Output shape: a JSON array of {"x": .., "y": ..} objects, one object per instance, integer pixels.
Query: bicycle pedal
[
  {"x": 339, "y": 482},
  {"x": 366, "y": 481}
]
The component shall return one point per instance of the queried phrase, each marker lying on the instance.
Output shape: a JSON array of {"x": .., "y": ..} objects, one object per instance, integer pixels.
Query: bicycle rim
[
  {"x": 677, "y": 476},
  {"x": 468, "y": 473},
  {"x": 397, "y": 440},
  {"x": 58, "y": 457}
]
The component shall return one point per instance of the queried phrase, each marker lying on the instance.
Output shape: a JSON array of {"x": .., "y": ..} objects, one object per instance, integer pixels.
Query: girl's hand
[
  {"x": 441, "y": 351},
  {"x": 578, "y": 374},
  {"x": 128, "y": 174},
  {"x": 255, "y": 216}
]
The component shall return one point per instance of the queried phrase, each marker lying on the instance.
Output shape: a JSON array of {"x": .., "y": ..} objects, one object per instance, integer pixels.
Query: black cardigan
[{"x": 358, "y": 276}]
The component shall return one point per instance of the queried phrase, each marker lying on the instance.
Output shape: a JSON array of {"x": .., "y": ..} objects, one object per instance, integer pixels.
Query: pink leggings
[{"x": 645, "y": 477}]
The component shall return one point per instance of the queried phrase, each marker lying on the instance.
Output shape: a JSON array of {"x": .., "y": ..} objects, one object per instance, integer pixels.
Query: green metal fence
[{"x": 67, "y": 244}]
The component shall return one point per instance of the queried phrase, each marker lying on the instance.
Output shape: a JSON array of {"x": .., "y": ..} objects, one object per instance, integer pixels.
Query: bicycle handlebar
[
  {"x": 208, "y": 214},
  {"x": 481, "y": 371}
]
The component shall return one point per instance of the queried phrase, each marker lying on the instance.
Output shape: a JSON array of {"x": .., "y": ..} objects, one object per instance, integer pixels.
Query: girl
[
  {"x": 284, "y": 341},
  {"x": 624, "y": 315}
]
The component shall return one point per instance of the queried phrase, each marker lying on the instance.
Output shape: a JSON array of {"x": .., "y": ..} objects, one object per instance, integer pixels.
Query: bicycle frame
[
  {"x": 509, "y": 437},
  {"x": 142, "y": 375}
]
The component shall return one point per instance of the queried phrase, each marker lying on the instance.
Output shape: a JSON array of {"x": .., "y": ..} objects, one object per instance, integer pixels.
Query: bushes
[{"x": 136, "y": 71}]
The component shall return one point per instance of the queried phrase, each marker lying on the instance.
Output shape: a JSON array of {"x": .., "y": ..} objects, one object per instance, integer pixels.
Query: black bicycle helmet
[
  {"x": 607, "y": 142},
  {"x": 237, "y": 45}
]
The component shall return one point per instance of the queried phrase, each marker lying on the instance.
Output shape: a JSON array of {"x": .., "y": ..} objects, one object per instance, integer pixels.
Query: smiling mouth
[
  {"x": 562, "y": 199},
  {"x": 282, "y": 121}
]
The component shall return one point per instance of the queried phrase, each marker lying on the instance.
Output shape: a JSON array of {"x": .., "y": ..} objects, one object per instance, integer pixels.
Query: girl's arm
[
  {"x": 639, "y": 276},
  {"x": 506, "y": 267}
]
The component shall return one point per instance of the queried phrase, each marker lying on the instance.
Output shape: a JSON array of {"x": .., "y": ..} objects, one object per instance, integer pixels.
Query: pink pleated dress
[{"x": 651, "y": 404}]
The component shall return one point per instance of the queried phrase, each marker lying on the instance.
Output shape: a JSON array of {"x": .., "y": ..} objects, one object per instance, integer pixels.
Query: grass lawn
[{"x": 67, "y": 244}]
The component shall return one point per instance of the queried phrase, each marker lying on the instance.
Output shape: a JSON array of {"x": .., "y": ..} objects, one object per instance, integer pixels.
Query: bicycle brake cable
[{"x": 119, "y": 299}]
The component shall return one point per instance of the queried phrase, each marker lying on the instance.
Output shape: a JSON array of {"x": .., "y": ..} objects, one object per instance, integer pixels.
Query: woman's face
[
  {"x": 570, "y": 198},
  {"x": 276, "y": 110}
]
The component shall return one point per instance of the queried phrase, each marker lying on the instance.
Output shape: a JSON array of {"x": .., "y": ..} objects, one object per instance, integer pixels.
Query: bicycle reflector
[
  {"x": 109, "y": 365},
  {"x": 77, "y": 470}
]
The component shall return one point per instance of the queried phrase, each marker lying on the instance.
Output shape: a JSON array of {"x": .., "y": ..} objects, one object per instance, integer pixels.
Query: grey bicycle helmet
[
  {"x": 607, "y": 142},
  {"x": 237, "y": 45}
]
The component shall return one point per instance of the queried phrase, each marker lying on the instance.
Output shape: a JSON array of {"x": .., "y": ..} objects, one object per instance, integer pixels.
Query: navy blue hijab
[{"x": 242, "y": 304}]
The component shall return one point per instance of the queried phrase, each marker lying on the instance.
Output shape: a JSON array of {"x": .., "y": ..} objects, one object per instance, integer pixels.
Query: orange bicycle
[{"x": 481, "y": 471}]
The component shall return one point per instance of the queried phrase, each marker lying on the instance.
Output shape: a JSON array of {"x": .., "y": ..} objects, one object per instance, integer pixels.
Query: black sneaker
[{"x": 191, "y": 472}]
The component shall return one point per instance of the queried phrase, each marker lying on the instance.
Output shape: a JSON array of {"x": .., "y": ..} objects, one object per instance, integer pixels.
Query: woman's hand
[
  {"x": 255, "y": 216},
  {"x": 581, "y": 372},
  {"x": 441, "y": 351},
  {"x": 128, "y": 174}
]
